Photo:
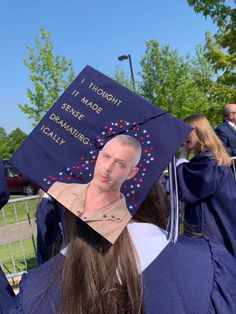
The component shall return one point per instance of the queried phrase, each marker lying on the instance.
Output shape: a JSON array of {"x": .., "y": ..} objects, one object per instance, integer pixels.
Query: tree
[
  {"x": 181, "y": 85},
  {"x": 50, "y": 75},
  {"x": 9, "y": 143},
  {"x": 4, "y": 144},
  {"x": 167, "y": 81},
  {"x": 217, "y": 93},
  {"x": 221, "y": 48},
  {"x": 16, "y": 138},
  {"x": 122, "y": 78}
]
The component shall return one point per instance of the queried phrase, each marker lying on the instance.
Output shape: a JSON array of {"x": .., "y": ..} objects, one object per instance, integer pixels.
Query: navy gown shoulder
[
  {"x": 202, "y": 171},
  {"x": 192, "y": 276},
  {"x": 209, "y": 194},
  {"x": 7, "y": 296},
  {"x": 39, "y": 289}
]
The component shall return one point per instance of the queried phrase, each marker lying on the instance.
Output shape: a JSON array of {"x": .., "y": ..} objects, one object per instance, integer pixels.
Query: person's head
[
  {"x": 230, "y": 112},
  {"x": 117, "y": 162},
  {"x": 203, "y": 137}
]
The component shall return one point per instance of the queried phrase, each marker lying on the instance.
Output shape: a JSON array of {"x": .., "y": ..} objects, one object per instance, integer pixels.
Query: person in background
[
  {"x": 50, "y": 222},
  {"x": 6, "y": 292},
  {"x": 142, "y": 272},
  {"x": 206, "y": 185},
  {"x": 227, "y": 130},
  {"x": 4, "y": 193}
]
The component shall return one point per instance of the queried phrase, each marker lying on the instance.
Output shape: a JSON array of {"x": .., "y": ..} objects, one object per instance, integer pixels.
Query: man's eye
[{"x": 120, "y": 163}]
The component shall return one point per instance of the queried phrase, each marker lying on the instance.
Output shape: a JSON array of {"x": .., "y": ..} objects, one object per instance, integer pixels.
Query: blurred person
[
  {"x": 49, "y": 222},
  {"x": 141, "y": 273},
  {"x": 4, "y": 193},
  {"x": 227, "y": 130},
  {"x": 207, "y": 185},
  {"x": 100, "y": 202}
]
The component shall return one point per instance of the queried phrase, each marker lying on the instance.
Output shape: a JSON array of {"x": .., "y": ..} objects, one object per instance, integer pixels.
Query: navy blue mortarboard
[{"x": 94, "y": 108}]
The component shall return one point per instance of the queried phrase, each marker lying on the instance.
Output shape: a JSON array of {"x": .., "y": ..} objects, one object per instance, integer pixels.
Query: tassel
[{"x": 173, "y": 224}]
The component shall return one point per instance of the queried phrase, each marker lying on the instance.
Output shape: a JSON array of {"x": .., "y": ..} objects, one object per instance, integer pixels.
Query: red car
[{"x": 18, "y": 183}]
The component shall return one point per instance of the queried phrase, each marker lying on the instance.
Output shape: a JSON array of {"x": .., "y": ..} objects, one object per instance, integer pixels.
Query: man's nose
[{"x": 109, "y": 165}]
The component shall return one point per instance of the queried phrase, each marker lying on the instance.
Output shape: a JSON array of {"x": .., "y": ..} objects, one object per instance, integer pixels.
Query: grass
[
  {"x": 19, "y": 257},
  {"x": 20, "y": 209},
  {"x": 11, "y": 211}
]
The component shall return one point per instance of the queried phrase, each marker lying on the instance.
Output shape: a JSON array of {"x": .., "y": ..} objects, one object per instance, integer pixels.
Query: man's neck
[{"x": 97, "y": 198}]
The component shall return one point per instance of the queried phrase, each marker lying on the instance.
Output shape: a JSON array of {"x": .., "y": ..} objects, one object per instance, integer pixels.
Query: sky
[{"x": 91, "y": 33}]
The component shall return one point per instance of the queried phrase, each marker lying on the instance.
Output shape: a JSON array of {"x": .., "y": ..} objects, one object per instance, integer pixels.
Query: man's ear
[{"x": 132, "y": 173}]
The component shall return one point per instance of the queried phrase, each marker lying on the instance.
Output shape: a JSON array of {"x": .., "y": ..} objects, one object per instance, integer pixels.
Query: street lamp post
[{"x": 125, "y": 57}]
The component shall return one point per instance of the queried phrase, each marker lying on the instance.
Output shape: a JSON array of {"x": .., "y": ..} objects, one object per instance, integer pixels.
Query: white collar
[
  {"x": 231, "y": 123},
  {"x": 149, "y": 241}
]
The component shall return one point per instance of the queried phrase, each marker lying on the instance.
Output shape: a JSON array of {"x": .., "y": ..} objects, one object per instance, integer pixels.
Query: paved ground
[{"x": 15, "y": 232}]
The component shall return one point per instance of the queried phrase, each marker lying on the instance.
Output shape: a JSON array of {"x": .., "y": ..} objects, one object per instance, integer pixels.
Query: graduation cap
[{"x": 94, "y": 108}]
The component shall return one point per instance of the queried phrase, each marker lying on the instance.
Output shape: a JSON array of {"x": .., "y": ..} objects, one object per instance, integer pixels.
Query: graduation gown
[
  {"x": 191, "y": 276},
  {"x": 49, "y": 218},
  {"x": 7, "y": 296},
  {"x": 209, "y": 194},
  {"x": 4, "y": 193}
]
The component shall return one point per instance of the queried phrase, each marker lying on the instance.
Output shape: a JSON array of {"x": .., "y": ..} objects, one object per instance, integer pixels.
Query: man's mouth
[{"x": 104, "y": 177}]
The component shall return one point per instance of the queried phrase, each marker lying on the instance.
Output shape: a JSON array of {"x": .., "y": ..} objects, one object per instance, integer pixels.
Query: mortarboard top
[{"x": 94, "y": 108}]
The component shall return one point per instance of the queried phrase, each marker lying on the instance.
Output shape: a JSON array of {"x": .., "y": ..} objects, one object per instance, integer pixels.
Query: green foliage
[
  {"x": 216, "y": 94},
  {"x": 122, "y": 78},
  {"x": 50, "y": 75},
  {"x": 221, "y": 48},
  {"x": 167, "y": 81},
  {"x": 9, "y": 143},
  {"x": 4, "y": 144},
  {"x": 16, "y": 138},
  {"x": 181, "y": 85}
]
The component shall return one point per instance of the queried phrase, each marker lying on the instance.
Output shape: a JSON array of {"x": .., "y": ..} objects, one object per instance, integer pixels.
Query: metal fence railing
[{"x": 18, "y": 236}]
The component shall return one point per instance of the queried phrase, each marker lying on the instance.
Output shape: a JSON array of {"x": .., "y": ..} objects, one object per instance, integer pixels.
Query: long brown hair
[
  {"x": 155, "y": 207},
  {"x": 101, "y": 278},
  {"x": 98, "y": 277},
  {"x": 207, "y": 138}
]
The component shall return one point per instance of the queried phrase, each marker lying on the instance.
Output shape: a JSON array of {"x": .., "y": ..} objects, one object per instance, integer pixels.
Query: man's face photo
[{"x": 115, "y": 164}]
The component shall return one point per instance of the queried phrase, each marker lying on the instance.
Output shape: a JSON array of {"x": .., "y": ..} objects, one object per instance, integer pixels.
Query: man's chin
[{"x": 106, "y": 187}]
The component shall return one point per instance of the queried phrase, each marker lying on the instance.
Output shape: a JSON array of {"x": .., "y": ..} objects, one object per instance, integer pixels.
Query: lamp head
[{"x": 123, "y": 57}]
